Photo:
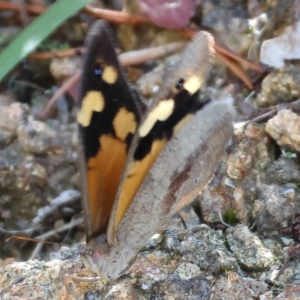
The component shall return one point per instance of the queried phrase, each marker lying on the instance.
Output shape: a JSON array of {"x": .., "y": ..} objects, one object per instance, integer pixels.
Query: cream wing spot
[
  {"x": 93, "y": 101},
  {"x": 124, "y": 123},
  {"x": 193, "y": 84},
  {"x": 110, "y": 75},
  {"x": 160, "y": 113}
]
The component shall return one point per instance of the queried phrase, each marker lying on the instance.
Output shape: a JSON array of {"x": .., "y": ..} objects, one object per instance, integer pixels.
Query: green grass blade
[{"x": 36, "y": 32}]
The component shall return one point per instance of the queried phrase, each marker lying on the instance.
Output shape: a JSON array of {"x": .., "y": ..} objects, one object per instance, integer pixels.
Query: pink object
[{"x": 168, "y": 13}]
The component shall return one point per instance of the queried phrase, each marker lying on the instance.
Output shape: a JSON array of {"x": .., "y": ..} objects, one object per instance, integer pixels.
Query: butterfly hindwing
[
  {"x": 180, "y": 172},
  {"x": 175, "y": 103},
  {"x": 108, "y": 118}
]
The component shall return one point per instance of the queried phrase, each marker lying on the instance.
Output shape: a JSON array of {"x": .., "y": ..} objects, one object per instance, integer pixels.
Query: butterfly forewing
[{"x": 108, "y": 118}]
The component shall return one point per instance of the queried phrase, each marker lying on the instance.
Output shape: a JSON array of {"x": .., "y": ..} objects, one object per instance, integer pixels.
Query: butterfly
[{"x": 140, "y": 165}]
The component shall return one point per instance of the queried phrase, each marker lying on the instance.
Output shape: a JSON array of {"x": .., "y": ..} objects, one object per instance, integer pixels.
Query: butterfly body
[{"x": 139, "y": 169}]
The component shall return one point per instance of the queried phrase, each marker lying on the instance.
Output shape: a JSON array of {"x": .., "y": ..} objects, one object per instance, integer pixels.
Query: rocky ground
[{"x": 234, "y": 239}]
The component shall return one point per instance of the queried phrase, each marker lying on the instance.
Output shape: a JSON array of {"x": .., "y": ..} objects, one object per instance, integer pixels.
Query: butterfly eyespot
[{"x": 179, "y": 84}]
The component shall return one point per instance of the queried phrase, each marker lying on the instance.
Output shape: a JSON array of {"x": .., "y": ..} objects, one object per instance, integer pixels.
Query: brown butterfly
[{"x": 141, "y": 166}]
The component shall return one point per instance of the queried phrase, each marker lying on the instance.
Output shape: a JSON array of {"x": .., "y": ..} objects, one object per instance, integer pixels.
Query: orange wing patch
[
  {"x": 105, "y": 169},
  {"x": 135, "y": 175},
  {"x": 103, "y": 179}
]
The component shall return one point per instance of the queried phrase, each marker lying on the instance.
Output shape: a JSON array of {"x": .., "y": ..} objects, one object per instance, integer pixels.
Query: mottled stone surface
[
  {"x": 38, "y": 160},
  {"x": 255, "y": 189},
  {"x": 249, "y": 250},
  {"x": 36, "y": 137},
  {"x": 181, "y": 266},
  {"x": 11, "y": 117},
  {"x": 284, "y": 128},
  {"x": 280, "y": 86},
  {"x": 274, "y": 207}
]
